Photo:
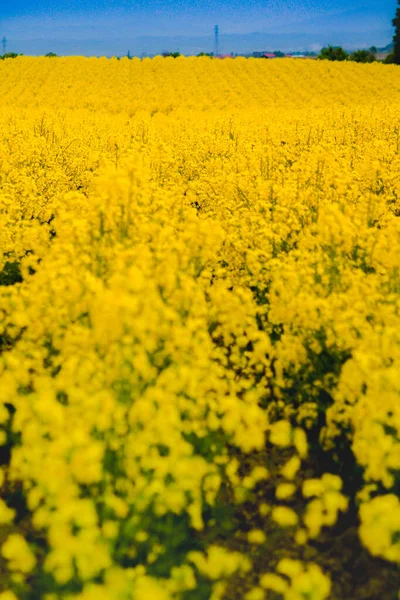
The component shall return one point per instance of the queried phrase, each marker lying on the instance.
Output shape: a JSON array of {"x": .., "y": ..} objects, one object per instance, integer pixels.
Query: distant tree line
[
  {"x": 337, "y": 53},
  {"x": 9, "y": 55},
  {"x": 14, "y": 55}
]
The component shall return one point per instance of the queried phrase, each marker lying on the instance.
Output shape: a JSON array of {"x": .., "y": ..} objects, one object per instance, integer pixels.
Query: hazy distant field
[{"x": 199, "y": 329}]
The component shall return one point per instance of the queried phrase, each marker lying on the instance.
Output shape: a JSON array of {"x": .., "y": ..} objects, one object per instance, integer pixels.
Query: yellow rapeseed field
[{"x": 199, "y": 328}]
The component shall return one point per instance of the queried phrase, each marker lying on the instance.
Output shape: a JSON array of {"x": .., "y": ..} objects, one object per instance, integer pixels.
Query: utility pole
[
  {"x": 4, "y": 44},
  {"x": 216, "y": 41}
]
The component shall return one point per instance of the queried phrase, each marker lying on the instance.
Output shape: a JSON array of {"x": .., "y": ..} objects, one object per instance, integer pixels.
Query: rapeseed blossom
[{"x": 199, "y": 283}]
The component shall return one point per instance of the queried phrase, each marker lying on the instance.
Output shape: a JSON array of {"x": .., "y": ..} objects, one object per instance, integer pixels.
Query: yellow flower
[
  {"x": 219, "y": 562},
  {"x": 285, "y": 490},
  {"x": 313, "y": 487},
  {"x": 290, "y": 469},
  {"x": 6, "y": 514},
  {"x": 18, "y": 554},
  {"x": 300, "y": 442},
  {"x": 264, "y": 509},
  {"x": 284, "y": 516},
  {"x": 8, "y": 595},
  {"x": 273, "y": 582},
  {"x": 281, "y": 433},
  {"x": 255, "y": 594},
  {"x": 256, "y": 536},
  {"x": 289, "y": 567}
]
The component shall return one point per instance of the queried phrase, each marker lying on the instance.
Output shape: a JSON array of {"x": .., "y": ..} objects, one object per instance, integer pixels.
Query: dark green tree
[
  {"x": 171, "y": 54},
  {"x": 333, "y": 53},
  {"x": 389, "y": 60},
  {"x": 9, "y": 55},
  {"x": 396, "y": 37},
  {"x": 363, "y": 56}
]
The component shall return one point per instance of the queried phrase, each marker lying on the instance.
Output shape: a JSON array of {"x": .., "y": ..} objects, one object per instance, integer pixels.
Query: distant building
[
  {"x": 303, "y": 55},
  {"x": 263, "y": 55}
]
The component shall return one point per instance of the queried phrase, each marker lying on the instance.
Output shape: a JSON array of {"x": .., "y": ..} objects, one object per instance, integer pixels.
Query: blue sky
[{"x": 107, "y": 27}]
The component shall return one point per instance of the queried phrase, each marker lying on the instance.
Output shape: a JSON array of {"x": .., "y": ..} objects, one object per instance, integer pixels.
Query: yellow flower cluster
[
  {"x": 18, "y": 554},
  {"x": 296, "y": 581},
  {"x": 198, "y": 260},
  {"x": 380, "y": 526},
  {"x": 327, "y": 501}
]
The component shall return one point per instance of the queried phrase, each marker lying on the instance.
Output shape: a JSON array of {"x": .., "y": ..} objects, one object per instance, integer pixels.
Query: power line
[{"x": 4, "y": 44}]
